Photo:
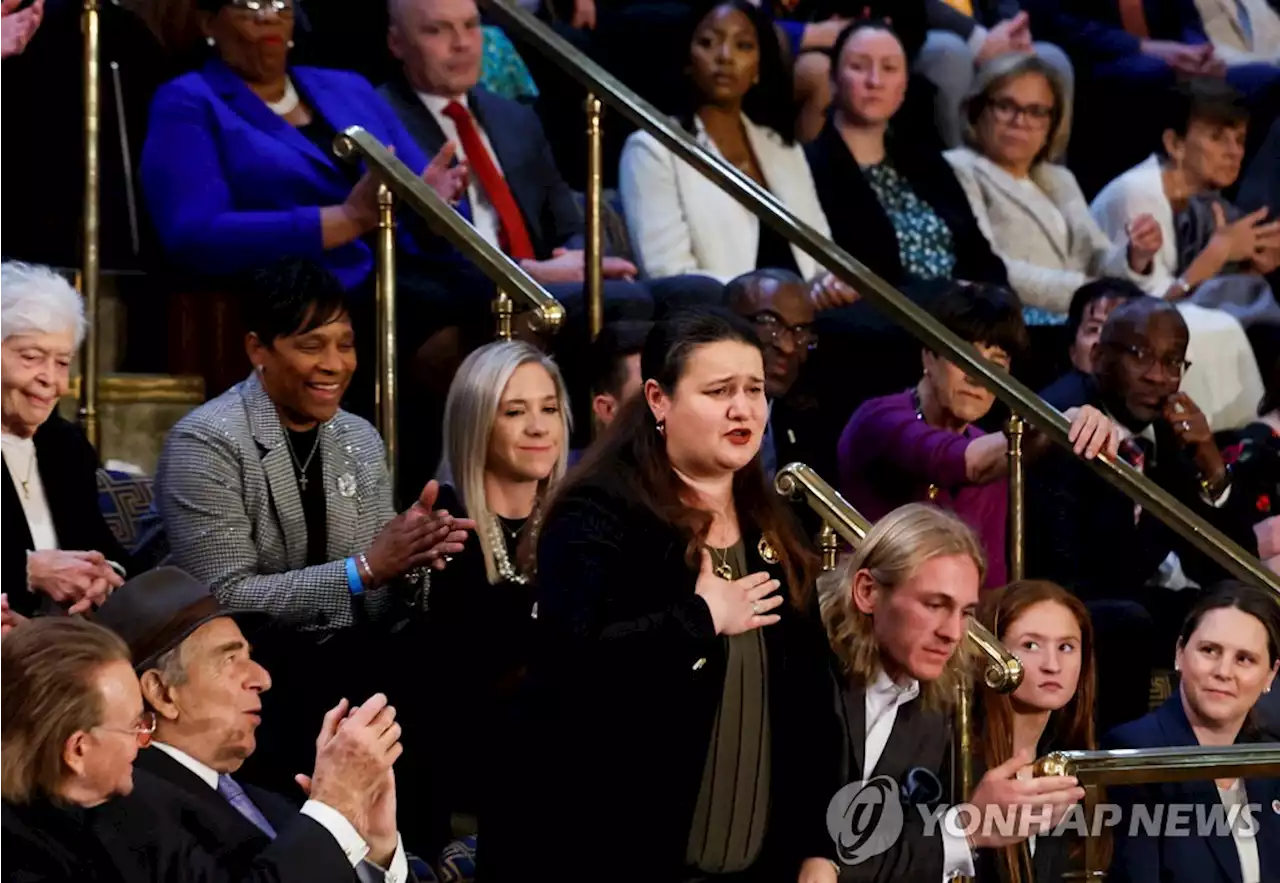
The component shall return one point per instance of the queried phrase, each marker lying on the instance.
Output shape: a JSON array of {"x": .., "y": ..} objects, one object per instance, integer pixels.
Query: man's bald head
[
  {"x": 778, "y": 302},
  {"x": 1140, "y": 358},
  {"x": 439, "y": 43}
]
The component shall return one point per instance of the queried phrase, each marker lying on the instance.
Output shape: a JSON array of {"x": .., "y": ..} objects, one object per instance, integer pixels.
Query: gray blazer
[
  {"x": 229, "y": 498},
  {"x": 1045, "y": 267}
]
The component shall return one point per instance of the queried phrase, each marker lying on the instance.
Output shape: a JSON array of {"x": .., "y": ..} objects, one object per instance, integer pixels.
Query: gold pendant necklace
[{"x": 722, "y": 570}]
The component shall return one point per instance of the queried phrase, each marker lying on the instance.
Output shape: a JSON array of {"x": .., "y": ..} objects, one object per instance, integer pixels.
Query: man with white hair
[{"x": 60, "y": 555}]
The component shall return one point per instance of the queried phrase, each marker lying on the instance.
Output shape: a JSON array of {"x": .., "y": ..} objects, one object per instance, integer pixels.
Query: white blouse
[
  {"x": 20, "y": 460},
  {"x": 1234, "y": 799}
]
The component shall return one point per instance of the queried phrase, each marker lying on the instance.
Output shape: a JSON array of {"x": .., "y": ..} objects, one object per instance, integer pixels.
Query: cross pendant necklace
[{"x": 302, "y": 467}]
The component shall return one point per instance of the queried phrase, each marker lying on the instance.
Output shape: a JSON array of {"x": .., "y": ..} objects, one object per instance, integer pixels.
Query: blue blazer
[
  {"x": 1091, "y": 29},
  {"x": 1161, "y": 859},
  {"x": 232, "y": 187}
]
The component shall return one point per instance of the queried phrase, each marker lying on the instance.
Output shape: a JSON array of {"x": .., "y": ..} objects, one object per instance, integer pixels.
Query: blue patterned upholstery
[
  {"x": 458, "y": 861},
  {"x": 126, "y": 504}
]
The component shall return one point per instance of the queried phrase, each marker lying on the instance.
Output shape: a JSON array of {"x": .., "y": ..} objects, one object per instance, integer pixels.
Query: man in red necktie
[{"x": 517, "y": 198}]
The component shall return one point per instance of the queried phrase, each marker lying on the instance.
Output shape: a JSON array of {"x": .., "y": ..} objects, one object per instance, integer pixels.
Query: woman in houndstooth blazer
[{"x": 281, "y": 501}]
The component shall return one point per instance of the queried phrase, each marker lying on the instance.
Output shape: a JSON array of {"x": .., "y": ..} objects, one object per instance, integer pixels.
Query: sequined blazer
[{"x": 229, "y": 498}]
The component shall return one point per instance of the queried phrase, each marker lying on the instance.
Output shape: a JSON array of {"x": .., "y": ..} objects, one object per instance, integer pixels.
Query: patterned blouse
[
  {"x": 502, "y": 69},
  {"x": 925, "y": 246}
]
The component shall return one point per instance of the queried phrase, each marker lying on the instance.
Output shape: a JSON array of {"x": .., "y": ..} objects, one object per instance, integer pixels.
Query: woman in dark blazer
[
  {"x": 1228, "y": 655},
  {"x": 682, "y": 668},
  {"x": 58, "y": 551},
  {"x": 892, "y": 202}
]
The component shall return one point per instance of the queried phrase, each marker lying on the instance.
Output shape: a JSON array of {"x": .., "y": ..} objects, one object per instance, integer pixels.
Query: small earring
[
  {"x": 289, "y": 45},
  {"x": 261, "y": 369},
  {"x": 662, "y": 427},
  {"x": 211, "y": 41}
]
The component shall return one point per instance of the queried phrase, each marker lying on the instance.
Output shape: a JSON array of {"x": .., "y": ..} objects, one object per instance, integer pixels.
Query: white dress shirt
[
  {"x": 883, "y": 699},
  {"x": 20, "y": 460},
  {"x": 1243, "y": 831},
  {"x": 349, "y": 840},
  {"x": 484, "y": 217}
]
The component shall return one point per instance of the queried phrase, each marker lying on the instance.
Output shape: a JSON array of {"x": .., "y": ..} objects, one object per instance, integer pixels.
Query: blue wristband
[{"x": 354, "y": 582}]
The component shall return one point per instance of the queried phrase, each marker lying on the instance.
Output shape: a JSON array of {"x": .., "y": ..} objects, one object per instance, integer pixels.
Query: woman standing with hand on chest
[{"x": 674, "y": 590}]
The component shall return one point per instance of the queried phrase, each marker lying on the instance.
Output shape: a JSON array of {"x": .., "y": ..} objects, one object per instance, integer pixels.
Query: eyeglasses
[
  {"x": 262, "y": 7},
  {"x": 802, "y": 336},
  {"x": 143, "y": 728},
  {"x": 1007, "y": 110},
  {"x": 1144, "y": 357}
]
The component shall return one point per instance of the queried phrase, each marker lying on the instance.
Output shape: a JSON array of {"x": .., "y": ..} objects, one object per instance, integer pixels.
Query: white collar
[
  {"x": 900, "y": 693},
  {"x": 437, "y": 103},
  {"x": 207, "y": 774}
]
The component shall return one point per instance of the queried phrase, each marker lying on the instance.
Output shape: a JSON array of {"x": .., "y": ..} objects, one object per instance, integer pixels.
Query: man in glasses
[
  {"x": 204, "y": 688},
  {"x": 76, "y": 809},
  {"x": 1086, "y": 535},
  {"x": 780, "y": 306}
]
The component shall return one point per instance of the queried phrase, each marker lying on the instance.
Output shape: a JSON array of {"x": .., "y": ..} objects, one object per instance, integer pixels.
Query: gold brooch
[
  {"x": 934, "y": 490},
  {"x": 767, "y": 551}
]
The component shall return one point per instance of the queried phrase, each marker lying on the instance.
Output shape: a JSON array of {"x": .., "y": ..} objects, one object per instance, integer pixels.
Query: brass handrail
[
  {"x": 526, "y": 28},
  {"x": 1129, "y": 766},
  {"x": 1097, "y": 769},
  {"x": 90, "y": 216},
  {"x": 355, "y": 143}
]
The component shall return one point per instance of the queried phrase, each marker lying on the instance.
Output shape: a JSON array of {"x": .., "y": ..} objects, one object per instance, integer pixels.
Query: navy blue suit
[
  {"x": 1167, "y": 859},
  {"x": 233, "y": 187}
]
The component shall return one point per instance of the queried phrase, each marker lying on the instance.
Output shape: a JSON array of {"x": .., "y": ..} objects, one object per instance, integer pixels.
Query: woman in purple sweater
[{"x": 921, "y": 445}]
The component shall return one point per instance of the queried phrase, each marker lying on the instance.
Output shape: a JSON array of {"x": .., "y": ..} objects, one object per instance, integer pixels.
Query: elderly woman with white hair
[
  {"x": 506, "y": 435},
  {"x": 58, "y": 553}
]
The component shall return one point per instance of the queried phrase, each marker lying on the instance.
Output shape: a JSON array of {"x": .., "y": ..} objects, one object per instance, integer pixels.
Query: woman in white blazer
[
  {"x": 1217, "y": 281},
  {"x": 1031, "y": 210},
  {"x": 740, "y": 108}
]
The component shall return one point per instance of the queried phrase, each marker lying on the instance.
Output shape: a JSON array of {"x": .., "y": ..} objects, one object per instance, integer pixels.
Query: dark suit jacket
[
  {"x": 69, "y": 473},
  {"x": 550, "y": 210},
  {"x": 232, "y": 187},
  {"x": 920, "y": 740},
  {"x": 234, "y": 842},
  {"x": 1081, "y": 532},
  {"x": 142, "y": 838},
  {"x": 621, "y": 700},
  {"x": 1091, "y": 30},
  {"x": 860, "y": 225},
  {"x": 1199, "y": 859}
]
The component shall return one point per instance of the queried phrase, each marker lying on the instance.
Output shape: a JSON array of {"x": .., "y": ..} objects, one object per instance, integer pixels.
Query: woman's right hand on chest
[{"x": 739, "y": 605}]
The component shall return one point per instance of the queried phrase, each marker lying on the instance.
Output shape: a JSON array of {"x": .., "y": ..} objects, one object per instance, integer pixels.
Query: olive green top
[{"x": 733, "y": 803}]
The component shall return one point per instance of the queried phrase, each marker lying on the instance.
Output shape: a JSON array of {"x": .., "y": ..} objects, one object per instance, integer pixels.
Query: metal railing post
[
  {"x": 594, "y": 253},
  {"x": 385, "y": 282},
  {"x": 90, "y": 233},
  {"x": 505, "y": 310},
  {"x": 1016, "y": 432}
]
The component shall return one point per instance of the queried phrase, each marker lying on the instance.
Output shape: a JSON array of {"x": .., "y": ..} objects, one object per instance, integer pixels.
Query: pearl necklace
[{"x": 288, "y": 103}]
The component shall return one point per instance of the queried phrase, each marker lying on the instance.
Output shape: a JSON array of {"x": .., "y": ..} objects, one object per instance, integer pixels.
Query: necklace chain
[
  {"x": 501, "y": 560},
  {"x": 723, "y": 570},
  {"x": 302, "y": 467},
  {"x": 25, "y": 482}
]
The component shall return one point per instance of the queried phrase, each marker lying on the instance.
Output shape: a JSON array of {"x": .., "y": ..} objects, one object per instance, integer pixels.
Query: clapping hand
[
  {"x": 1145, "y": 241},
  {"x": 82, "y": 580},
  {"x": 8, "y": 619},
  {"x": 17, "y": 27},
  {"x": 447, "y": 178}
]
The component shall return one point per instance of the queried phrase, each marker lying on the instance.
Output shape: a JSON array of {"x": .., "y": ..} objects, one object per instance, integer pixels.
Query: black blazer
[
  {"x": 145, "y": 838},
  {"x": 621, "y": 700},
  {"x": 68, "y": 471},
  {"x": 859, "y": 223},
  {"x": 1081, "y": 532},
  {"x": 550, "y": 211},
  {"x": 1200, "y": 859},
  {"x": 1052, "y": 858},
  {"x": 919, "y": 744}
]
